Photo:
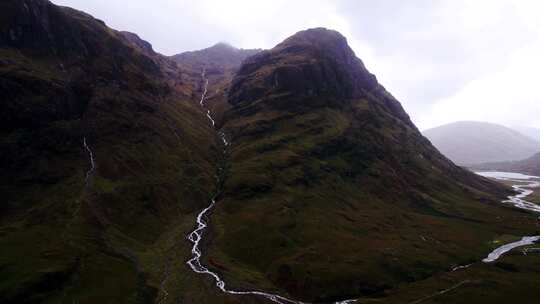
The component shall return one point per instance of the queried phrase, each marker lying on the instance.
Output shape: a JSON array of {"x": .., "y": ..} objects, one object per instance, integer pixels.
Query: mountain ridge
[{"x": 472, "y": 142}]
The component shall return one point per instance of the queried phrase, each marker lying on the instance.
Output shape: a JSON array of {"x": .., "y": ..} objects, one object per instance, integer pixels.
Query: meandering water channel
[{"x": 524, "y": 184}]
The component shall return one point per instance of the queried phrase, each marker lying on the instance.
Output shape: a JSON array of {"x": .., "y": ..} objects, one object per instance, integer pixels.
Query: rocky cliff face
[{"x": 306, "y": 65}]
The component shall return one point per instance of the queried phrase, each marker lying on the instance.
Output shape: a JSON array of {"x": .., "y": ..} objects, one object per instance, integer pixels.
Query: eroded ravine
[{"x": 196, "y": 235}]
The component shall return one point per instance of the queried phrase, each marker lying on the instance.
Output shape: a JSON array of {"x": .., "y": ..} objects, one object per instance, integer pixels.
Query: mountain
[
  {"x": 219, "y": 63},
  {"x": 470, "y": 142},
  {"x": 529, "y": 165},
  {"x": 327, "y": 191},
  {"x": 332, "y": 191},
  {"x": 528, "y": 131},
  {"x": 76, "y": 95},
  {"x": 219, "y": 56}
]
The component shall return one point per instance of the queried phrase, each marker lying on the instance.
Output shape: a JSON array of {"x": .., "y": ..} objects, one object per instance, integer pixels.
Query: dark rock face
[
  {"x": 42, "y": 28},
  {"x": 144, "y": 46},
  {"x": 77, "y": 54},
  {"x": 315, "y": 62},
  {"x": 312, "y": 63}
]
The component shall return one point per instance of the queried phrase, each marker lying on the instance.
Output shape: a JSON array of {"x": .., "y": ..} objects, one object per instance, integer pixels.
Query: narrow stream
[
  {"x": 92, "y": 160},
  {"x": 196, "y": 235},
  {"x": 523, "y": 187}
]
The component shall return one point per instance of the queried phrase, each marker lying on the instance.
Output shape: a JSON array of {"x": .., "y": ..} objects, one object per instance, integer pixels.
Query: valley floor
[{"x": 511, "y": 277}]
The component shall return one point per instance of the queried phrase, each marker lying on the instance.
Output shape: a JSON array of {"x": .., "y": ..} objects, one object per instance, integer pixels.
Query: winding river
[
  {"x": 92, "y": 161},
  {"x": 524, "y": 184}
]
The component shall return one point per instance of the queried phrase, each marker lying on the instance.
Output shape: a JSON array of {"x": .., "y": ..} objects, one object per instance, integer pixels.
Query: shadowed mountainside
[
  {"x": 332, "y": 192},
  {"x": 67, "y": 78},
  {"x": 106, "y": 158},
  {"x": 470, "y": 142}
]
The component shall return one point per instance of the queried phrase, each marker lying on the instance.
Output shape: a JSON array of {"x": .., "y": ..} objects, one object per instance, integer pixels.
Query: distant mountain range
[
  {"x": 320, "y": 187},
  {"x": 528, "y": 131},
  {"x": 529, "y": 165},
  {"x": 471, "y": 142}
]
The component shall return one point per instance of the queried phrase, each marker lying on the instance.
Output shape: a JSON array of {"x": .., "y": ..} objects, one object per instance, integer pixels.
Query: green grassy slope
[{"x": 332, "y": 192}]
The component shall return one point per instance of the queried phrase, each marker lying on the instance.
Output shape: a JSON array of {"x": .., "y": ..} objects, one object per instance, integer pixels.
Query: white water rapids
[
  {"x": 196, "y": 235},
  {"x": 525, "y": 183}
]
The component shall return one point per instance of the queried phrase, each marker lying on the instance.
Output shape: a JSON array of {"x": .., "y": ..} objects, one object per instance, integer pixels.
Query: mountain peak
[
  {"x": 221, "y": 54},
  {"x": 314, "y": 62},
  {"x": 223, "y": 45},
  {"x": 321, "y": 42},
  {"x": 136, "y": 41},
  {"x": 319, "y": 36}
]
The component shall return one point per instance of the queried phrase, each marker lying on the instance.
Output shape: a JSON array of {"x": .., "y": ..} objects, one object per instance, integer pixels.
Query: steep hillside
[
  {"x": 470, "y": 142},
  {"x": 76, "y": 94},
  {"x": 332, "y": 192}
]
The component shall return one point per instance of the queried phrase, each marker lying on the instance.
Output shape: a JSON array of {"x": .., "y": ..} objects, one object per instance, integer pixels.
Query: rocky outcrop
[{"x": 312, "y": 64}]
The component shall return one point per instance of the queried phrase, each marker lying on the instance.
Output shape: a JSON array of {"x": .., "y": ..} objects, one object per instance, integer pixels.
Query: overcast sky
[{"x": 445, "y": 60}]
